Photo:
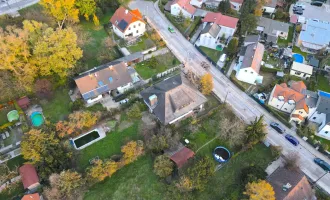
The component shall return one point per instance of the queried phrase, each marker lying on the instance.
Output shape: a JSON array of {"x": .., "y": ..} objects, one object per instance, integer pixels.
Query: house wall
[
  {"x": 136, "y": 29},
  {"x": 318, "y": 118},
  {"x": 247, "y": 75},
  {"x": 175, "y": 10},
  {"x": 324, "y": 132},
  {"x": 117, "y": 31},
  {"x": 207, "y": 40},
  {"x": 181, "y": 117},
  {"x": 33, "y": 186},
  {"x": 282, "y": 34},
  {"x": 235, "y": 6},
  {"x": 227, "y": 31},
  {"x": 122, "y": 89},
  {"x": 299, "y": 74},
  {"x": 89, "y": 101},
  {"x": 197, "y": 3},
  {"x": 268, "y": 9},
  {"x": 300, "y": 112},
  {"x": 280, "y": 105}
]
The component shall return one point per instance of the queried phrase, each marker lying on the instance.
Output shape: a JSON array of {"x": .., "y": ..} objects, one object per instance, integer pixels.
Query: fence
[{"x": 209, "y": 59}]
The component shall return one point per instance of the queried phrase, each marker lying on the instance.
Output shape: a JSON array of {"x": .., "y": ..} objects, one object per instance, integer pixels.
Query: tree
[
  {"x": 256, "y": 131},
  {"x": 96, "y": 20},
  {"x": 163, "y": 166},
  {"x": 249, "y": 24},
  {"x": 134, "y": 111},
  {"x": 298, "y": 28},
  {"x": 224, "y": 7},
  {"x": 86, "y": 8},
  {"x": 110, "y": 167},
  {"x": 185, "y": 184},
  {"x": 252, "y": 174},
  {"x": 201, "y": 172},
  {"x": 206, "y": 83},
  {"x": 232, "y": 130},
  {"x": 232, "y": 46},
  {"x": 43, "y": 88},
  {"x": 69, "y": 183},
  {"x": 132, "y": 150},
  {"x": 157, "y": 143},
  {"x": 259, "y": 7},
  {"x": 97, "y": 171},
  {"x": 260, "y": 190},
  {"x": 61, "y": 10},
  {"x": 292, "y": 161},
  {"x": 248, "y": 21}
]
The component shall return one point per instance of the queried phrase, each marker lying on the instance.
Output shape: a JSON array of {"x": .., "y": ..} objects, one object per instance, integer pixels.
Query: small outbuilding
[
  {"x": 182, "y": 156},
  {"x": 23, "y": 102},
  {"x": 314, "y": 62},
  {"x": 34, "y": 196},
  {"x": 29, "y": 177},
  {"x": 301, "y": 70}
]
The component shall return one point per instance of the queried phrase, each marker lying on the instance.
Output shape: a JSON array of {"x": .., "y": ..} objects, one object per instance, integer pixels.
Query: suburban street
[
  {"x": 12, "y": 6},
  {"x": 244, "y": 106}
]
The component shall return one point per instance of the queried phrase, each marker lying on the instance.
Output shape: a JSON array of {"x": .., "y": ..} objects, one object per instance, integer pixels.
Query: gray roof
[
  {"x": 271, "y": 3},
  {"x": 314, "y": 62},
  {"x": 295, "y": 178},
  {"x": 271, "y": 26},
  {"x": 175, "y": 97},
  {"x": 323, "y": 103},
  {"x": 251, "y": 38},
  {"x": 272, "y": 38},
  {"x": 167, "y": 6},
  {"x": 253, "y": 56},
  {"x": 212, "y": 29},
  {"x": 310, "y": 98}
]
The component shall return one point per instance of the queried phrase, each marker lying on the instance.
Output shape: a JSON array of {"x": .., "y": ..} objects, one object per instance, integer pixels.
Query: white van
[{"x": 223, "y": 58}]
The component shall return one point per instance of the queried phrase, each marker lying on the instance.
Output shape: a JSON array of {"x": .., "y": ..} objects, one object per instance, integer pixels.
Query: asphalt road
[
  {"x": 244, "y": 106},
  {"x": 12, "y": 6}
]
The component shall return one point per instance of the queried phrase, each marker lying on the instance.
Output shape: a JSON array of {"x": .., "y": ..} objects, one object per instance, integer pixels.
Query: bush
[
  {"x": 271, "y": 70},
  {"x": 134, "y": 112},
  {"x": 77, "y": 105},
  {"x": 163, "y": 166},
  {"x": 252, "y": 174},
  {"x": 276, "y": 151}
]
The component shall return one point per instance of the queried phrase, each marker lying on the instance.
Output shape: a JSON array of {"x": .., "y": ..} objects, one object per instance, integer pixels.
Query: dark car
[
  {"x": 277, "y": 127},
  {"x": 317, "y": 3},
  {"x": 323, "y": 1},
  {"x": 292, "y": 139},
  {"x": 322, "y": 164},
  {"x": 298, "y": 11}
]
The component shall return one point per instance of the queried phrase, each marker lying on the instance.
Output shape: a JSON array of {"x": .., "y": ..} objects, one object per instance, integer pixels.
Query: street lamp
[
  {"x": 226, "y": 96},
  {"x": 314, "y": 183}
]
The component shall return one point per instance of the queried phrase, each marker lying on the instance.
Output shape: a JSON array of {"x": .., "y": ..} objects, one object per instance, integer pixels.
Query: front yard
[
  {"x": 214, "y": 55},
  {"x": 142, "y": 44},
  {"x": 185, "y": 26}
]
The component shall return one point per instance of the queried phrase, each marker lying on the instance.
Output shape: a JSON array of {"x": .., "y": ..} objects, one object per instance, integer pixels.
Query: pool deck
[{"x": 100, "y": 131}]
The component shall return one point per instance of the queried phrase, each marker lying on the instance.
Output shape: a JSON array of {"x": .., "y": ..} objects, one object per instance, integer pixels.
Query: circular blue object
[
  {"x": 298, "y": 58},
  {"x": 221, "y": 154},
  {"x": 37, "y": 119}
]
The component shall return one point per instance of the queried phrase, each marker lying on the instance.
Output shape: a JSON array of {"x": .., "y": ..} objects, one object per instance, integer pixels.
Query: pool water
[
  {"x": 298, "y": 58},
  {"x": 86, "y": 139},
  {"x": 37, "y": 119}
]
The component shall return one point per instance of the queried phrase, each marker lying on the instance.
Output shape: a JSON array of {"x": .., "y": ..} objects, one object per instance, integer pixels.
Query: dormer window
[
  {"x": 291, "y": 102},
  {"x": 281, "y": 98}
]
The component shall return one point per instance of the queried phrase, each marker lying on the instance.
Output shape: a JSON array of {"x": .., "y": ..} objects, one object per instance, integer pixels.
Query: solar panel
[
  {"x": 88, "y": 95},
  {"x": 122, "y": 24},
  {"x": 102, "y": 89},
  {"x": 100, "y": 83}
]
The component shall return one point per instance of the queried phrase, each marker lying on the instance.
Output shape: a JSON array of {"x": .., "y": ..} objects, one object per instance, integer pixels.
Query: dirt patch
[{"x": 124, "y": 125}]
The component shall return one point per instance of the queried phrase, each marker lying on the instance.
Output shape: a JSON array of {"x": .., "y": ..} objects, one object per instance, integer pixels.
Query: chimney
[
  {"x": 95, "y": 74},
  {"x": 153, "y": 100},
  {"x": 111, "y": 67},
  {"x": 126, "y": 11}
]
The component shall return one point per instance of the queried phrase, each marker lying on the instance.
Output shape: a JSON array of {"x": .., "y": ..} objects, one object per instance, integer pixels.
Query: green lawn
[
  {"x": 108, "y": 146},
  {"x": 144, "y": 44},
  {"x": 211, "y": 53},
  {"x": 323, "y": 83},
  {"x": 58, "y": 107},
  {"x": 297, "y": 50},
  {"x": 15, "y": 192},
  {"x": 15, "y": 162},
  {"x": 164, "y": 62},
  {"x": 283, "y": 42},
  {"x": 3, "y": 114}
]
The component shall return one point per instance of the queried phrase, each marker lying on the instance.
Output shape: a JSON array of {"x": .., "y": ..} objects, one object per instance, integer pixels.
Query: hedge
[{"x": 272, "y": 70}]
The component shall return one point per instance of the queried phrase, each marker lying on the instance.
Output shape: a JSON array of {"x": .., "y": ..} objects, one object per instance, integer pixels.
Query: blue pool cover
[
  {"x": 324, "y": 94},
  {"x": 298, "y": 58}
]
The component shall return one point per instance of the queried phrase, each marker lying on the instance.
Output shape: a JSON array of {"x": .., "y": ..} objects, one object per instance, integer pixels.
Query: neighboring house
[
  {"x": 173, "y": 99},
  {"x": 301, "y": 70},
  {"x": 295, "y": 100},
  {"x": 270, "y": 7},
  {"x": 29, "y": 177},
  {"x": 314, "y": 62},
  {"x": 321, "y": 115},
  {"x": 272, "y": 29},
  {"x": 314, "y": 36},
  {"x": 212, "y": 3},
  {"x": 34, "y": 196},
  {"x": 236, "y": 4},
  {"x": 197, "y": 3},
  {"x": 184, "y": 7},
  {"x": 290, "y": 185},
  {"x": 249, "y": 63},
  {"x": 215, "y": 27},
  {"x": 251, "y": 39},
  {"x": 111, "y": 78},
  {"x": 128, "y": 23},
  {"x": 181, "y": 156}
]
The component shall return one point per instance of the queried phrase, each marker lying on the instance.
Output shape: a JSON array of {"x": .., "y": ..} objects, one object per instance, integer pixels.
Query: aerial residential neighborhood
[{"x": 164, "y": 99}]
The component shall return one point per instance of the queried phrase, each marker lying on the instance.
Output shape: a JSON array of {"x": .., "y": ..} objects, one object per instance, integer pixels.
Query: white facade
[
  {"x": 123, "y": 88},
  {"x": 280, "y": 104},
  {"x": 300, "y": 74},
  {"x": 301, "y": 70},
  {"x": 208, "y": 41},
  {"x": 197, "y": 3},
  {"x": 269, "y": 10},
  {"x": 235, "y": 6},
  {"x": 227, "y": 31},
  {"x": 175, "y": 10},
  {"x": 324, "y": 132},
  {"x": 134, "y": 29},
  {"x": 320, "y": 119},
  {"x": 248, "y": 75}
]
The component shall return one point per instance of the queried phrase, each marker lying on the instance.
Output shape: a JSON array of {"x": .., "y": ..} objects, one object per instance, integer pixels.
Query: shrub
[
  {"x": 134, "y": 112},
  {"x": 251, "y": 174},
  {"x": 163, "y": 166}
]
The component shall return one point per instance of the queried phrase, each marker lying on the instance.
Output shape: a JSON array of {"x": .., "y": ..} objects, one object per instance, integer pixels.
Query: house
[
  {"x": 236, "y": 4},
  {"x": 295, "y": 100},
  {"x": 111, "y": 78},
  {"x": 184, "y": 7},
  {"x": 301, "y": 70},
  {"x": 290, "y": 185},
  {"x": 216, "y": 27},
  {"x": 270, "y": 6},
  {"x": 251, "y": 39},
  {"x": 34, "y": 196},
  {"x": 249, "y": 63},
  {"x": 212, "y": 3},
  {"x": 173, "y": 99},
  {"x": 128, "y": 23},
  {"x": 272, "y": 29},
  {"x": 181, "y": 156},
  {"x": 197, "y": 3},
  {"x": 29, "y": 177},
  {"x": 314, "y": 36},
  {"x": 314, "y": 62},
  {"x": 321, "y": 115}
]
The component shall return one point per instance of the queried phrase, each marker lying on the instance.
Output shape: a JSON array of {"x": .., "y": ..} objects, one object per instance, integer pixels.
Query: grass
[
  {"x": 323, "y": 83},
  {"x": 3, "y": 114},
  {"x": 58, "y": 107},
  {"x": 283, "y": 42},
  {"x": 15, "y": 162},
  {"x": 14, "y": 191},
  {"x": 144, "y": 44},
  {"x": 108, "y": 146},
  {"x": 186, "y": 27},
  {"x": 214, "y": 55},
  {"x": 297, "y": 50},
  {"x": 164, "y": 62}
]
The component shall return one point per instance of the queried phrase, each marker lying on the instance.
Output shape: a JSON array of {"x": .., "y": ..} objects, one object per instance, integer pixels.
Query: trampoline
[
  {"x": 221, "y": 154},
  {"x": 13, "y": 115},
  {"x": 37, "y": 119},
  {"x": 298, "y": 58}
]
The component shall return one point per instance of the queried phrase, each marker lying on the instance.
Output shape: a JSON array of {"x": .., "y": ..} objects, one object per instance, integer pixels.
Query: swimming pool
[
  {"x": 298, "y": 58},
  {"x": 37, "y": 119},
  {"x": 88, "y": 138}
]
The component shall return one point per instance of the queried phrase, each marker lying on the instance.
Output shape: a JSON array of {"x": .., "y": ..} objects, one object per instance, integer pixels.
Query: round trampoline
[
  {"x": 13, "y": 115},
  {"x": 221, "y": 154},
  {"x": 37, "y": 119},
  {"x": 298, "y": 58}
]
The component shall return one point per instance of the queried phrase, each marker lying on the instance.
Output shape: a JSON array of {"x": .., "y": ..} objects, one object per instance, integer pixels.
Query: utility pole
[{"x": 314, "y": 183}]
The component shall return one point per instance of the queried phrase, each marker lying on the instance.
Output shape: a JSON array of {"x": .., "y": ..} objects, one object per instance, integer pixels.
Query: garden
[
  {"x": 284, "y": 43},
  {"x": 213, "y": 54}
]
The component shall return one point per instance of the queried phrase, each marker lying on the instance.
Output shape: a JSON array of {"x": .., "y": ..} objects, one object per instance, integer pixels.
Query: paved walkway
[
  {"x": 156, "y": 53},
  {"x": 231, "y": 67},
  {"x": 197, "y": 33}
]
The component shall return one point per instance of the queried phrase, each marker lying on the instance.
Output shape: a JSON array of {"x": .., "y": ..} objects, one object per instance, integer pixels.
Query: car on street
[
  {"x": 277, "y": 127},
  {"x": 299, "y": 5},
  {"x": 171, "y": 29},
  {"x": 292, "y": 139},
  {"x": 298, "y": 11},
  {"x": 317, "y": 3},
  {"x": 324, "y": 165}
]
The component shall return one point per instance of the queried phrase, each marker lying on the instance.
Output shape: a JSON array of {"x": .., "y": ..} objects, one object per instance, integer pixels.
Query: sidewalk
[
  {"x": 197, "y": 33},
  {"x": 156, "y": 53},
  {"x": 14, "y": 5}
]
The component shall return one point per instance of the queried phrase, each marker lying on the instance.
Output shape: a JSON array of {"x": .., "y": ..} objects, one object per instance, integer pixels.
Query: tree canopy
[
  {"x": 260, "y": 190},
  {"x": 206, "y": 83},
  {"x": 256, "y": 131},
  {"x": 163, "y": 166}
]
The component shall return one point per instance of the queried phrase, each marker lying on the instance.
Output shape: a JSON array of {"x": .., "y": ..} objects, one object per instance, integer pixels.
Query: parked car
[
  {"x": 299, "y": 5},
  {"x": 323, "y": 1},
  {"x": 322, "y": 164},
  {"x": 317, "y": 3},
  {"x": 298, "y": 11},
  {"x": 292, "y": 139},
  {"x": 171, "y": 29},
  {"x": 123, "y": 101},
  {"x": 223, "y": 58},
  {"x": 277, "y": 127}
]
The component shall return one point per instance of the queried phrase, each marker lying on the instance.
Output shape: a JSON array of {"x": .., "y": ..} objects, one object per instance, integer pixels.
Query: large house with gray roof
[
  {"x": 314, "y": 36},
  {"x": 272, "y": 29},
  {"x": 173, "y": 99}
]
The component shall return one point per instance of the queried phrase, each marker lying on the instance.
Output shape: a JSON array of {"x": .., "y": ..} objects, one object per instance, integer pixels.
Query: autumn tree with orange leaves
[
  {"x": 260, "y": 190},
  {"x": 206, "y": 84}
]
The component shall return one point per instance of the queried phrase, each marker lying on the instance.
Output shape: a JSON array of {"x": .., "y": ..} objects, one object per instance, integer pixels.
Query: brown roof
[
  {"x": 23, "y": 102},
  {"x": 253, "y": 56},
  {"x": 34, "y": 196},
  {"x": 185, "y": 4},
  {"x": 122, "y": 18},
  {"x": 298, "y": 116},
  {"x": 221, "y": 19},
  {"x": 182, "y": 156},
  {"x": 103, "y": 79},
  {"x": 300, "y": 188},
  {"x": 29, "y": 175}
]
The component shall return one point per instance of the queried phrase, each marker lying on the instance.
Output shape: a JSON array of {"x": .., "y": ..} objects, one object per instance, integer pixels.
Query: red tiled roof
[
  {"x": 29, "y": 175},
  {"x": 34, "y": 196},
  {"x": 185, "y": 4},
  {"x": 221, "y": 19},
  {"x": 293, "y": 19},
  {"x": 129, "y": 17},
  {"x": 298, "y": 86},
  {"x": 182, "y": 156},
  {"x": 23, "y": 102}
]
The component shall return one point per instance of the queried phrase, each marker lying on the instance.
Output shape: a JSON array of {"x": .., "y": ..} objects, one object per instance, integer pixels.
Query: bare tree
[
  {"x": 232, "y": 131},
  {"x": 292, "y": 160}
]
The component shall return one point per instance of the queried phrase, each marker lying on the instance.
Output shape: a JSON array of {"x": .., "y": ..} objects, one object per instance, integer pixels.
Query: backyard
[
  {"x": 158, "y": 64},
  {"x": 297, "y": 50},
  {"x": 323, "y": 83},
  {"x": 142, "y": 44},
  {"x": 214, "y": 55},
  {"x": 283, "y": 42},
  {"x": 185, "y": 26}
]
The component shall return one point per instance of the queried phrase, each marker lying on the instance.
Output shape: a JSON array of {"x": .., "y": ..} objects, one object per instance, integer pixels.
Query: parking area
[{"x": 314, "y": 12}]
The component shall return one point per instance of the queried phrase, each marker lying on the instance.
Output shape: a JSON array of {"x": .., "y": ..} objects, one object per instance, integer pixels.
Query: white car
[
  {"x": 301, "y": 5},
  {"x": 123, "y": 101}
]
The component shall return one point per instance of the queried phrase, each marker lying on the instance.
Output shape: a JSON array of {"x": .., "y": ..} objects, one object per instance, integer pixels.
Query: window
[
  {"x": 326, "y": 132},
  {"x": 300, "y": 112},
  {"x": 281, "y": 32},
  {"x": 297, "y": 73},
  {"x": 285, "y": 109},
  {"x": 139, "y": 24},
  {"x": 137, "y": 31},
  {"x": 314, "y": 117},
  {"x": 251, "y": 72},
  {"x": 129, "y": 28},
  {"x": 134, "y": 26},
  {"x": 245, "y": 70}
]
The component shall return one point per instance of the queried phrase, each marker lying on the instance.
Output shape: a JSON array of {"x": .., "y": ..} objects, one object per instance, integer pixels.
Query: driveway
[
  {"x": 244, "y": 106},
  {"x": 314, "y": 12}
]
